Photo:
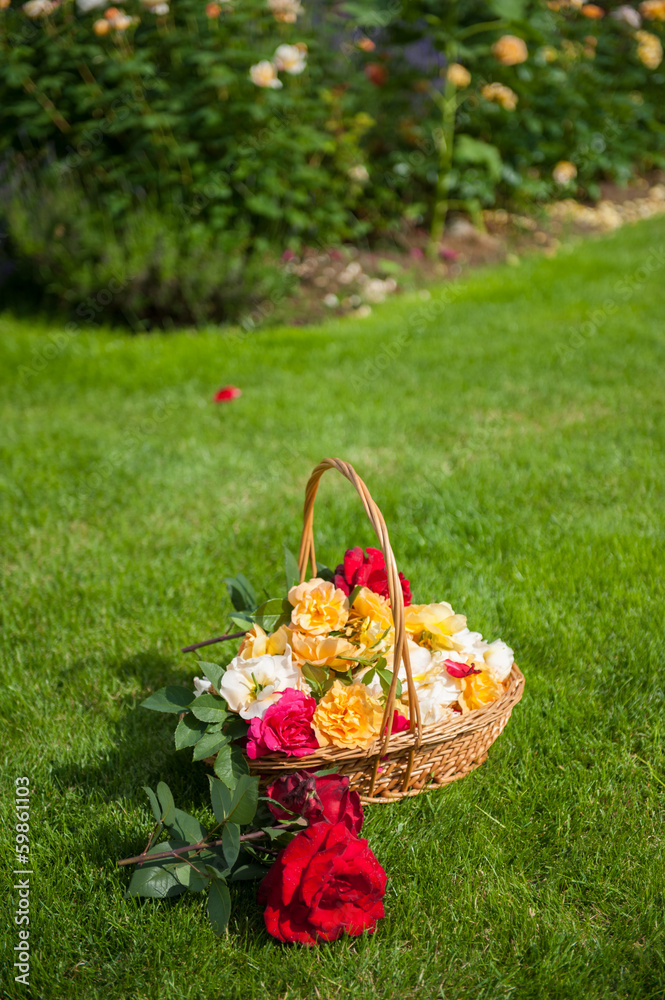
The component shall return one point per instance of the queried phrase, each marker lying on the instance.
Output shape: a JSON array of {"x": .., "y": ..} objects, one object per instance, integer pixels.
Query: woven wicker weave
[{"x": 426, "y": 756}]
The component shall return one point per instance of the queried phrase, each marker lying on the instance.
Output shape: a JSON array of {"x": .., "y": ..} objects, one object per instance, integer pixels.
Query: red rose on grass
[
  {"x": 324, "y": 884},
  {"x": 285, "y": 727},
  {"x": 327, "y": 798},
  {"x": 228, "y": 392},
  {"x": 367, "y": 569}
]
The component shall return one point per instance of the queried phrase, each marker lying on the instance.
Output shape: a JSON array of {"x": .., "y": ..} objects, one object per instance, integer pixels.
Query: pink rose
[{"x": 285, "y": 727}]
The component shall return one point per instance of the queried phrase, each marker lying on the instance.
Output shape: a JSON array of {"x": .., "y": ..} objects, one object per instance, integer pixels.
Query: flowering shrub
[{"x": 253, "y": 126}]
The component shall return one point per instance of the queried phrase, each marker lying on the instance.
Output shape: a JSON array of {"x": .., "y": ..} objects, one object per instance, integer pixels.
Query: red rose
[
  {"x": 361, "y": 569},
  {"x": 228, "y": 392},
  {"x": 326, "y": 798},
  {"x": 376, "y": 74},
  {"x": 400, "y": 723},
  {"x": 285, "y": 727},
  {"x": 325, "y": 883}
]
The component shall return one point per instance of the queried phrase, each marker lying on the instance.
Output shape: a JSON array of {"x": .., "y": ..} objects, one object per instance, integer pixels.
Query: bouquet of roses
[
  {"x": 314, "y": 670},
  {"x": 323, "y": 882}
]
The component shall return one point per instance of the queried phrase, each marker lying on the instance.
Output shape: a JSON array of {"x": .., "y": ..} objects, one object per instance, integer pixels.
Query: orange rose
[
  {"x": 367, "y": 604},
  {"x": 347, "y": 716},
  {"x": 319, "y": 607},
  {"x": 479, "y": 689},
  {"x": 593, "y": 11}
]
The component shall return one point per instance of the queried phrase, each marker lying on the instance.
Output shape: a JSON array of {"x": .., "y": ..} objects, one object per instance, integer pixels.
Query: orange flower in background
[
  {"x": 322, "y": 651},
  {"x": 510, "y": 50},
  {"x": 366, "y": 44},
  {"x": 458, "y": 75},
  {"x": 593, "y": 11},
  {"x": 319, "y": 607},
  {"x": 213, "y": 10},
  {"x": 347, "y": 716},
  {"x": 498, "y": 94},
  {"x": 377, "y": 74},
  {"x": 479, "y": 690},
  {"x": 101, "y": 27},
  {"x": 653, "y": 10}
]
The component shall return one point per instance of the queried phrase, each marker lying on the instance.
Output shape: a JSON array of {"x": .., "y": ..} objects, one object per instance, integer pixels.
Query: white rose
[
  {"x": 201, "y": 685},
  {"x": 499, "y": 660},
  {"x": 290, "y": 58},
  {"x": 436, "y": 698},
  {"x": 251, "y": 686},
  {"x": 469, "y": 644}
]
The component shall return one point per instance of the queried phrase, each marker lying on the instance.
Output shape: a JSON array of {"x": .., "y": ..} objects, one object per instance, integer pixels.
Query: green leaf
[
  {"x": 212, "y": 671},
  {"x": 243, "y": 621},
  {"x": 230, "y": 765},
  {"x": 273, "y": 613},
  {"x": 246, "y": 872},
  {"x": 245, "y": 800},
  {"x": 219, "y": 905},
  {"x": 190, "y": 877},
  {"x": 470, "y": 150},
  {"x": 166, "y": 802},
  {"x": 157, "y": 882},
  {"x": 220, "y": 799},
  {"x": 511, "y": 10},
  {"x": 241, "y": 592},
  {"x": 156, "y": 808},
  {"x": 169, "y": 699},
  {"x": 231, "y": 843},
  {"x": 386, "y": 679},
  {"x": 188, "y": 732},
  {"x": 354, "y": 593},
  {"x": 235, "y": 727},
  {"x": 325, "y": 573},
  {"x": 210, "y": 744},
  {"x": 187, "y": 827},
  {"x": 209, "y": 708},
  {"x": 291, "y": 569}
]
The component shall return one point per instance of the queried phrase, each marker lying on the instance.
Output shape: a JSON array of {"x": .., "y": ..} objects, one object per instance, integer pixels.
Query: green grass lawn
[{"x": 512, "y": 430}]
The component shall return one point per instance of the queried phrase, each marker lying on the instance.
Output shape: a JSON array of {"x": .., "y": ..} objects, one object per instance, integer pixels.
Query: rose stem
[
  {"x": 209, "y": 642},
  {"x": 201, "y": 846}
]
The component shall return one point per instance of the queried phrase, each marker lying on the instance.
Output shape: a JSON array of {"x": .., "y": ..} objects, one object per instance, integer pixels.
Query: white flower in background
[
  {"x": 201, "y": 685},
  {"x": 291, "y": 58},
  {"x": 375, "y": 290},
  {"x": 86, "y": 5},
  {"x": 286, "y": 11},
  {"x": 156, "y": 6},
  {"x": 351, "y": 272},
  {"x": 628, "y": 15},
  {"x": 39, "y": 8},
  {"x": 499, "y": 659},
  {"x": 331, "y": 300},
  {"x": 264, "y": 74},
  {"x": 251, "y": 686},
  {"x": 359, "y": 173}
]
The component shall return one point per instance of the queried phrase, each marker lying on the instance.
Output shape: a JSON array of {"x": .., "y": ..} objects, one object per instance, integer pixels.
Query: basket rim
[{"x": 400, "y": 743}]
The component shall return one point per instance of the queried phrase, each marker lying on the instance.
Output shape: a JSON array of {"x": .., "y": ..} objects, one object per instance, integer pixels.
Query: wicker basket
[{"x": 425, "y": 757}]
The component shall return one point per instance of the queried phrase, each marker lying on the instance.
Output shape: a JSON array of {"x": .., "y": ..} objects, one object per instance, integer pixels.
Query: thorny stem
[{"x": 200, "y": 846}]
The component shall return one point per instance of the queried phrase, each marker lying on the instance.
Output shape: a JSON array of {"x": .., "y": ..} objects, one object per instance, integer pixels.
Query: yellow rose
[
  {"x": 257, "y": 643},
  {"x": 510, "y": 50},
  {"x": 479, "y": 689},
  {"x": 319, "y": 607},
  {"x": 499, "y": 94},
  {"x": 322, "y": 651},
  {"x": 367, "y": 604},
  {"x": 649, "y": 49},
  {"x": 653, "y": 10},
  {"x": 347, "y": 716},
  {"x": 438, "y": 620}
]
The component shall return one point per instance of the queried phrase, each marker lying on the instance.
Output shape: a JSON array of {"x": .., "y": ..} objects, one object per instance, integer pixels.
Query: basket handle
[{"x": 307, "y": 555}]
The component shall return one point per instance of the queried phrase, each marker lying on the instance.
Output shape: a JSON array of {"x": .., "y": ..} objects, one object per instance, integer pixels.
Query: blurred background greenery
[{"x": 166, "y": 156}]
